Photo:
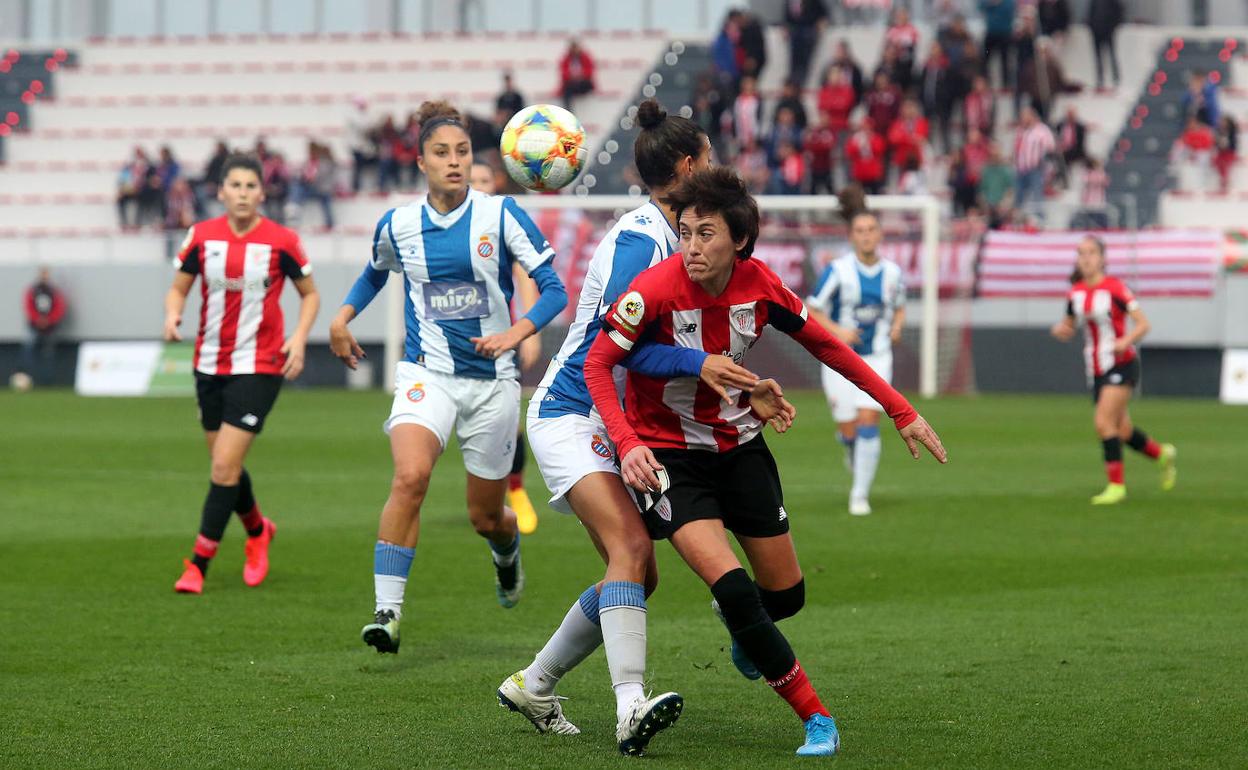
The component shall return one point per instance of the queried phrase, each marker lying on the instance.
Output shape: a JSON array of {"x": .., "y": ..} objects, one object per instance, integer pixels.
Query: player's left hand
[
  {"x": 294, "y": 351},
  {"x": 767, "y": 401},
  {"x": 919, "y": 432},
  {"x": 495, "y": 345},
  {"x": 1121, "y": 345}
]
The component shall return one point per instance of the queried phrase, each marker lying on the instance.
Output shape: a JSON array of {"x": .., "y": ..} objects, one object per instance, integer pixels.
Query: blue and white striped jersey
[
  {"x": 861, "y": 297},
  {"x": 457, "y": 277},
  {"x": 640, "y": 239}
]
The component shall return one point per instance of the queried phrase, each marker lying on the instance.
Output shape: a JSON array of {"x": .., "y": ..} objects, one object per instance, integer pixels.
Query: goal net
[{"x": 799, "y": 235}]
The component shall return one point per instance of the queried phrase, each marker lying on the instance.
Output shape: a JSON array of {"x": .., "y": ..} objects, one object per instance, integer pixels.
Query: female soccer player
[
  {"x": 1101, "y": 304},
  {"x": 481, "y": 178},
  {"x": 706, "y": 462},
  {"x": 861, "y": 300},
  {"x": 580, "y": 465},
  {"x": 454, "y": 248},
  {"x": 241, "y": 352}
]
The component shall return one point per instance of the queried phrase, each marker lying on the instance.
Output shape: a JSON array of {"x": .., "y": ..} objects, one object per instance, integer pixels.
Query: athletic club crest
[
  {"x": 743, "y": 320},
  {"x": 664, "y": 508}
]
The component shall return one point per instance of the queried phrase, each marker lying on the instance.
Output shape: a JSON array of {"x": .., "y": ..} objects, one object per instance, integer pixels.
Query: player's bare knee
[
  {"x": 410, "y": 485},
  {"x": 226, "y": 473},
  {"x": 488, "y": 523}
]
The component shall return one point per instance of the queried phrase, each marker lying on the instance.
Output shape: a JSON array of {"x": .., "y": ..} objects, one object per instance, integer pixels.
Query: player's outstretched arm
[
  {"x": 341, "y": 341},
  {"x": 551, "y": 301},
  {"x": 296, "y": 345},
  {"x": 175, "y": 302},
  {"x": 638, "y": 465},
  {"x": 919, "y": 432}
]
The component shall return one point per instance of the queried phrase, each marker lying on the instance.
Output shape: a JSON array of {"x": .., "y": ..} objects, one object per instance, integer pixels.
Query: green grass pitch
[{"x": 984, "y": 616}]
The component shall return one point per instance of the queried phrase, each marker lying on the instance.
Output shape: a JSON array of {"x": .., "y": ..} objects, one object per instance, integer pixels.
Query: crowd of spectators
[{"x": 925, "y": 106}]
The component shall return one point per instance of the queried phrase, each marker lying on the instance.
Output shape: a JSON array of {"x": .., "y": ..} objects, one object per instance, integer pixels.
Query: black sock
[
  {"x": 750, "y": 625},
  {"x": 1112, "y": 448},
  {"x": 517, "y": 462},
  {"x": 218, "y": 505},
  {"x": 1138, "y": 440},
  {"x": 246, "y": 502}
]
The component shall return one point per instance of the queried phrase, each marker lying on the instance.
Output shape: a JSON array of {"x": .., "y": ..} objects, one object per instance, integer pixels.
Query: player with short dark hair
[
  {"x": 701, "y": 465},
  {"x": 1101, "y": 304},
  {"x": 241, "y": 353}
]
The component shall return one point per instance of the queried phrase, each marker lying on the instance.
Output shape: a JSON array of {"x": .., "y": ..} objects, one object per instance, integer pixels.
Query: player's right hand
[
  {"x": 721, "y": 372},
  {"x": 638, "y": 470},
  {"x": 1062, "y": 330},
  {"x": 172, "y": 322},
  {"x": 849, "y": 335},
  {"x": 344, "y": 347},
  {"x": 919, "y": 432}
]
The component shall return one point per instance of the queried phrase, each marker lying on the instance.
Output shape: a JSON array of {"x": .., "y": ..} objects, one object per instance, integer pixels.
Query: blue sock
[
  {"x": 589, "y": 604},
  {"x": 391, "y": 563},
  {"x": 506, "y": 556}
]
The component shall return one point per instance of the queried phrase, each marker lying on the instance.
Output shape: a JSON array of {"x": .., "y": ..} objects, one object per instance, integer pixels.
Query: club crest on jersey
[
  {"x": 743, "y": 320},
  {"x": 632, "y": 307},
  {"x": 416, "y": 393},
  {"x": 600, "y": 447},
  {"x": 664, "y": 508},
  {"x": 485, "y": 249}
]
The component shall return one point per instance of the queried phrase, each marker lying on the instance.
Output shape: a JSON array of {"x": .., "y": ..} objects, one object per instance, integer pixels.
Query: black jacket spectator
[
  {"x": 1104, "y": 18},
  {"x": 804, "y": 20},
  {"x": 752, "y": 44},
  {"x": 791, "y": 98},
  {"x": 1072, "y": 138},
  {"x": 1054, "y": 16},
  {"x": 510, "y": 100}
]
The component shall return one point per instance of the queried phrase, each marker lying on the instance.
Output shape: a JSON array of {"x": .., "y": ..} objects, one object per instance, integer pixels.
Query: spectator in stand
[
  {"x": 361, "y": 140},
  {"x": 752, "y": 45},
  {"x": 998, "y": 36},
  {"x": 747, "y": 113},
  {"x": 954, "y": 39},
  {"x": 45, "y": 309},
  {"x": 804, "y": 21},
  {"x": 883, "y": 102},
  {"x": 865, "y": 153},
  {"x": 912, "y": 180},
  {"x": 318, "y": 179},
  {"x": 709, "y": 107},
  {"x": 205, "y": 188},
  {"x": 752, "y": 163},
  {"x": 996, "y": 188},
  {"x": 1195, "y": 150},
  {"x": 836, "y": 101},
  {"x": 131, "y": 188},
  {"x": 406, "y": 151},
  {"x": 179, "y": 207},
  {"x": 1024, "y": 44},
  {"x": 791, "y": 99},
  {"x": 964, "y": 189},
  {"x": 1094, "y": 198},
  {"x": 939, "y": 88},
  {"x": 907, "y": 135},
  {"x": 724, "y": 51},
  {"x": 821, "y": 144},
  {"x": 976, "y": 151},
  {"x": 790, "y": 170},
  {"x": 1104, "y": 18},
  {"x": 1033, "y": 144},
  {"x": 1072, "y": 137},
  {"x": 903, "y": 36},
  {"x": 1226, "y": 140},
  {"x": 1042, "y": 79},
  {"x": 276, "y": 186},
  {"x": 1054, "y": 17},
  {"x": 510, "y": 101},
  {"x": 843, "y": 60},
  {"x": 576, "y": 73},
  {"x": 387, "y": 167},
  {"x": 785, "y": 131},
  {"x": 891, "y": 64},
  {"x": 167, "y": 169},
  {"x": 980, "y": 107},
  {"x": 1201, "y": 99}
]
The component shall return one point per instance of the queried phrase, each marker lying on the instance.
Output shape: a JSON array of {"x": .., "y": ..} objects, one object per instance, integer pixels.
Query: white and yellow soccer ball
[{"x": 543, "y": 147}]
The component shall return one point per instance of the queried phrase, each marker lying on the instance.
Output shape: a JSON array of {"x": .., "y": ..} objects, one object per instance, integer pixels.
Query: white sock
[
  {"x": 622, "y": 612},
  {"x": 577, "y": 636},
  {"x": 866, "y": 460},
  {"x": 507, "y": 556},
  {"x": 389, "y": 590}
]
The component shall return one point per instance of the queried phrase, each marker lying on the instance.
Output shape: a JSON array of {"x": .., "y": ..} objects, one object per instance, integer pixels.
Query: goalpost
[{"x": 801, "y": 214}]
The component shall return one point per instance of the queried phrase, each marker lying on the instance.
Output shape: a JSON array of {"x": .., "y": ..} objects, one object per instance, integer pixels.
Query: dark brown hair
[
  {"x": 664, "y": 141},
  {"x": 853, "y": 199},
  {"x": 433, "y": 115},
  {"x": 720, "y": 190},
  {"x": 242, "y": 160},
  {"x": 1075, "y": 275}
]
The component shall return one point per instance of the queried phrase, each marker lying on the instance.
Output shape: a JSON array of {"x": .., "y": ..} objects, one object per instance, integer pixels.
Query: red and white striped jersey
[
  {"x": 240, "y": 321},
  {"x": 1032, "y": 146},
  {"x": 1102, "y": 310},
  {"x": 665, "y": 306}
]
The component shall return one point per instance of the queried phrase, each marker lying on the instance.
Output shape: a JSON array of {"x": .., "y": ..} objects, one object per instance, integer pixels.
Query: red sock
[
  {"x": 795, "y": 688},
  {"x": 1114, "y": 471},
  {"x": 1152, "y": 449},
  {"x": 253, "y": 520},
  {"x": 515, "y": 481},
  {"x": 205, "y": 548}
]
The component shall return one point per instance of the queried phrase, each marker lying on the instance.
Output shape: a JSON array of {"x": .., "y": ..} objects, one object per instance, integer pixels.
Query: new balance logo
[
  {"x": 687, "y": 329},
  {"x": 250, "y": 420}
]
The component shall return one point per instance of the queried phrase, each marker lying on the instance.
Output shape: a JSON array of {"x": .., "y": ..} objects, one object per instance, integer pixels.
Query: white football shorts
[
  {"x": 568, "y": 448},
  {"x": 484, "y": 414},
  {"x": 844, "y": 397}
]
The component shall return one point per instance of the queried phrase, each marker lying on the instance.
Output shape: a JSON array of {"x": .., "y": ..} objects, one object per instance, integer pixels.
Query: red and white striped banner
[{"x": 1156, "y": 263}]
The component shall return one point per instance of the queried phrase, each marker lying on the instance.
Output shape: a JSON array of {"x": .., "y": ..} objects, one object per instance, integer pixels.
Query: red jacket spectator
[
  {"x": 837, "y": 100},
  {"x": 865, "y": 152},
  {"x": 980, "y": 107},
  {"x": 1198, "y": 137},
  {"x": 906, "y": 137},
  {"x": 45, "y": 305},
  {"x": 975, "y": 153},
  {"x": 576, "y": 73},
  {"x": 819, "y": 144},
  {"x": 883, "y": 102}
]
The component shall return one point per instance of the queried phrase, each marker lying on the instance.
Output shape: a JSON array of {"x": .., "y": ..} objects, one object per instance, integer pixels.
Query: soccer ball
[
  {"x": 21, "y": 382},
  {"x": 543, "y": 147}
]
